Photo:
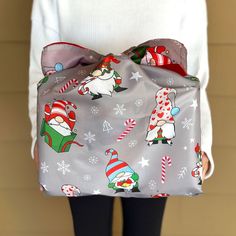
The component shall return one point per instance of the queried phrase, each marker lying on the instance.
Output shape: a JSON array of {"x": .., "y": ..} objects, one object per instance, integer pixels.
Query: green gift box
[{"x": 56, "y": 140}]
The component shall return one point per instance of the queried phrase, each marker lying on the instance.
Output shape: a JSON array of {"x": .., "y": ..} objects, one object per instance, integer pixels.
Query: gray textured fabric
[{"x": 91, "y": 156}]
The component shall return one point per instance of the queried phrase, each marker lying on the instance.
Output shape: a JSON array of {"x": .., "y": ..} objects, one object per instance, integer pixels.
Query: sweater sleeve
[
  {"x": 203, "y": 74},
  {"x": 42, "y": 33},
  {"x": 198, "y": 66}
]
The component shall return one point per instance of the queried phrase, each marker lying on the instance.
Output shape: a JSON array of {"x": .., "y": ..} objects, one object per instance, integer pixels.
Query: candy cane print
[
  {"x": 81, "y": 89},
  {"x": 67, "y": 85},
  {"x": 130, "y": 123},
  {"x": 163, "y": 167}
]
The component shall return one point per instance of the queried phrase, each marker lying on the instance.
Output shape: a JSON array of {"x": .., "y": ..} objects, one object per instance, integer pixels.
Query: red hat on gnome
[
  {"x": 157, "y": 55},
  {"x": 58, "y": 111},
  {"x": 164, "y": 105},
  {"x": 107, "y": 60}
]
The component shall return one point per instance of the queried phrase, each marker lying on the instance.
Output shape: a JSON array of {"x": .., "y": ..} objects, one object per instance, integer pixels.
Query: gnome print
[
  {"x": 162, "y": 125},
  {"x": 70, "y": 190},
  {"x": 57, "y": 125},
  {"x": 154, "y": 56},
  {"x": 197, "y": 171},
  {"x": 103, "y": 80},
  {"x": 120, "y": 175}
]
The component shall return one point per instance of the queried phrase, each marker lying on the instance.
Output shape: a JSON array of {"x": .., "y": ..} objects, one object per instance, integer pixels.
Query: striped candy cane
[
  {"x": 163, "y": 167},
  {"x": 130, "y": 123},
  {"x": 82, "y": 90},
  {"x": 68, "y": 84}
]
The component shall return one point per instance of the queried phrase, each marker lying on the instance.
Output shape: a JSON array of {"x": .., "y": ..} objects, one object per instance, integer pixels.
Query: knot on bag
[{"x": 165, "y": 53}]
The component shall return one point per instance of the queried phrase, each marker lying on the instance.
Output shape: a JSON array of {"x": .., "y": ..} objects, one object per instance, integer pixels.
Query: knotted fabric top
[{"x": 165, "y": 53}]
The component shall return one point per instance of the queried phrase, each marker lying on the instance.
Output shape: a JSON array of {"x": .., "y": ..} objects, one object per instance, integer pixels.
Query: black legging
[{"x": 92, "y": 215}]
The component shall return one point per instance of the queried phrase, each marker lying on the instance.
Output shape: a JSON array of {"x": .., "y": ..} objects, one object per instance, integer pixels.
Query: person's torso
[{"x": 113, "y": 26}]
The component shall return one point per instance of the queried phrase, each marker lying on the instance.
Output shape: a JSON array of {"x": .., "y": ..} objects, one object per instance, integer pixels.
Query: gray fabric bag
[{"x": 123, "y": 125}]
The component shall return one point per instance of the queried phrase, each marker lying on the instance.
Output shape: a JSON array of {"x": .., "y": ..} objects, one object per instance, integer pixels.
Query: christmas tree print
[{"x": 107, "y": 127}]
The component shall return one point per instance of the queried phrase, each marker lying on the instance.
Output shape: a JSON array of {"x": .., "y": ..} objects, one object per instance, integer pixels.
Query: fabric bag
[{"x": 123, "y": 125}]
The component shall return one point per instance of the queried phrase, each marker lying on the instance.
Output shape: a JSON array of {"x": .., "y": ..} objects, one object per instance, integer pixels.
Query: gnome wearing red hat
[
  {"x": 158, "y": 56},
  {"x": 103, "y": 80},
  {"x": 162, "y": 125},
  {"x": 58, "y": 118},
  {"x": 120, "y": 175},
  {"x": 154, "y": 56},
  {"x": 197, "y": 171}
]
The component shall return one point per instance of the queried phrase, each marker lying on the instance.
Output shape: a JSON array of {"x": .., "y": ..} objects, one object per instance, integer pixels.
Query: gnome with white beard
[
  {"x": 57, "y": 117},
  {"x": 58, "y": 124},
  {"x": 162, "y": 125},
  {"x": 103, "y": 80}
]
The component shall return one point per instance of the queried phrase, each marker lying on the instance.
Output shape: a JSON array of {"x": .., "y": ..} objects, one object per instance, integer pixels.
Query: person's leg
[
  {"x": 142, "y": 216},
  {"x": 92, "y": 215}
]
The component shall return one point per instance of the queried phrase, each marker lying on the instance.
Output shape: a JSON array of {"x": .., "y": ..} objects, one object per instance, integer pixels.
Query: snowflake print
[
  {"x": 182, "y": 172},
  {"x": 94, "y": 110},
  {"x": 89, "y": 137},
  {"x": 119, "y": 109},
  {"x": 46, "y": 91},
  {"x": 58, "y": 79},
  {"x": 93, "y": 160},
  {"x": 170, "y": 81},
  {"x": 139, "y": 102},
  {"x": 152, "y": 184},
  {"x": 186, "y": 87},
  {"x": 187, "y": 123},
  {"x": 63, "y": 167},
  {"x": 82, "y": 72},
  {"x": 194, "y": 105},
  {"x": 192, "y": 140},
  {"x": 144, "y": 162},
  {"x": 87, "y": 177},
  {"x": 44, "y": 167},
  {"x": 132, "y": 143}
]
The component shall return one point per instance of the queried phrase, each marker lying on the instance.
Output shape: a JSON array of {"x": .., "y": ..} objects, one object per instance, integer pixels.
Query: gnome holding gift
[
  {"x": 58, "y": 124},
  {"x": 162, "y": 125},
  {"x": 57, "y": 117},
  {"x": 121, "y": 176},
  {"x": 103, "y": 80}
]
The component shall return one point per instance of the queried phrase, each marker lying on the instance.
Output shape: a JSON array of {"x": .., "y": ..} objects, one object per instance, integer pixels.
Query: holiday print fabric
[{"x": 123, "y": 125}]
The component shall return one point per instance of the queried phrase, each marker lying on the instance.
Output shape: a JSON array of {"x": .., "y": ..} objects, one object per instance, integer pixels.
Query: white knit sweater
[{"x": 113, "y": 26}]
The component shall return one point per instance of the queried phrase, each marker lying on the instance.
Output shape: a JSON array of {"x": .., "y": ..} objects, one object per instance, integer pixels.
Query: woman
[{"x": 113, "y": 26}]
